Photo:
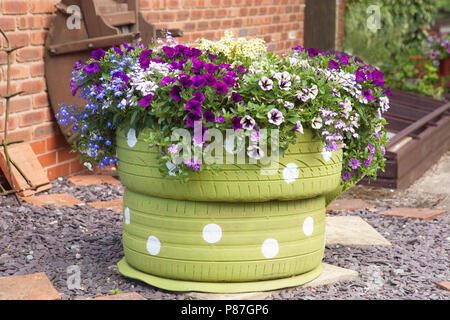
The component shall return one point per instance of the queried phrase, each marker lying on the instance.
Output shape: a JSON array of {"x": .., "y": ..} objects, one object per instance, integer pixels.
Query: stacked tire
[{"x": 219, "y": 231}]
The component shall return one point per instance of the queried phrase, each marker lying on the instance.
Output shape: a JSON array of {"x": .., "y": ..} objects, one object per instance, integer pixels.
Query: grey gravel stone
[{"x": 419, "y": 248}]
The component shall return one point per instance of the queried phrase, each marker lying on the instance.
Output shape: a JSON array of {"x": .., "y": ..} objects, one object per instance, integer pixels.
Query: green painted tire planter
[
  {"x": 226, "y": 233},
  {"x": 222, "y": 243},
  {"x": 304, "y": 172}
]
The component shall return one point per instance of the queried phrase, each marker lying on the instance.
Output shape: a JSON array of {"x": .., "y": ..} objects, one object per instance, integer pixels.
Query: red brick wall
[{"x": 278, "y": 22}]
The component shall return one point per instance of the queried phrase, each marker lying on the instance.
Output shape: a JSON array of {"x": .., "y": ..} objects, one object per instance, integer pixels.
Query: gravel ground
[{"x": 51, "y": 239}]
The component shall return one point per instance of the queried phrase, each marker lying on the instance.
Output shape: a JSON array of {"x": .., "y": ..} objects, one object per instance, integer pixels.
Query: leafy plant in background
[{"x": 402, "y": 33}]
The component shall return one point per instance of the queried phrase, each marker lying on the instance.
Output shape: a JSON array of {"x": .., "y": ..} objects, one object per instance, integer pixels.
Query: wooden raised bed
[{"x": 420, "y": 129}]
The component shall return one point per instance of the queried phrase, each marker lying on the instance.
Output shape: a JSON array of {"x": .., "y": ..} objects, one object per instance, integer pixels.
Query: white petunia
[
  {"x": 248, "y": 122},
  {"x": 255, "y": 152},
  {"x": 316, "y": 123},
  {"x": 266, "y": 84},
  {"x": 275, "y": 116}
]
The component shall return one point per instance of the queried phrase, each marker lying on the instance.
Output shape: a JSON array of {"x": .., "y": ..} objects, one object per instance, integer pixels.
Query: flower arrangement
[{"x": 229, "y": 84}]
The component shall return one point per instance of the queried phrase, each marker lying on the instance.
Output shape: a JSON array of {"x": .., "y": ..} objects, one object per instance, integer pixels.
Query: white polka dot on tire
[
  {"x": 308, "y": 226},
  {"x": 212, "y": 233},
  {"x": 270, "y": 248},
  {"x": 131, "y": 138},
  {"x": 290, "y": 173},
  {"x": 153, "y": 245},
  {"x": 126, "y": 215}
]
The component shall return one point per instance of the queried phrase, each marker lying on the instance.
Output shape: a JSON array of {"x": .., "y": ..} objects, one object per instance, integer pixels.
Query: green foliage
[{"x": 402, "y": 33}]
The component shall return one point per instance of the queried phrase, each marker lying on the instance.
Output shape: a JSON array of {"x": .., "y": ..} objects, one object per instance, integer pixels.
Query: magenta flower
[
  {"x": 146, "y": 101},
  {"x": 236, "y": 123},
  {"x": 169, "y": 51},
  {"x": 193, "y": 53},
  {"x": 118, "y": 51},
  {"x": 175, "y": 93},
  {"x": 346, "y": 176},
  {"x": 229, "y": 81},
  {"x": 191, "y": 118},
  {"x": 367, "y": 94},
  {"x": 235, "y": 97},
  {"x": 91, "y": 68},
  {"x": 166, "y": 80},
  {"x": 220, "y": 119},
  {"x": 209, "y": 116},
  {"x": 312, "y": 52},
  {"x": 198, "y": 96},
  {"x": 197, "y": 65},
  {"x": 241, "y": 69},
  {"x": 194, "y": 106},
  {"x": 98, "y": 54},
  {"x": 354, "y": 163},
  {"x": 211, "y": 68},
  {"x": 333, "y": 64},
  {"x": 210, "y": 79},
  {"x": 221, "y": 87},
  {"x": 198, "y": 81},
  {"x": 185, "y": 80}
]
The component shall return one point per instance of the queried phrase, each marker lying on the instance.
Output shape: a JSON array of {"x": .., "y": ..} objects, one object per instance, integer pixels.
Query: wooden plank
[
  {"x": 416, "y": 172},
  {"x": 418, "y": 151},
  {"x": 418, "y": 124},
  {"x": 89, "y": 44},
  {"x": 23, "y": 155},
  {"x": 120, "y": 18},
  {"x": 320, "y": 24}
]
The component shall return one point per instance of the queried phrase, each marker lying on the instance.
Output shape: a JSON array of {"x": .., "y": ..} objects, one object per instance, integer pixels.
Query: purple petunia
[
  {"x": 298, "y": 48},
  {"x": 166, "y": 80},
  {"x": 198, "y": 96},
  {"x": 210, "y": 79},
  {"x": 333, "y": 64},
  {"x": 343, "y": 60},
  {"x": 220, "y": 119},
  {"x": 229, "y": 81},
  {"x": 346, "y": 176},
  {"x": 198, "y": 81},
  {"x": 78, "y": 65},
  {"x": 193, "y": 53},
  {"x": 144, "y": 63},
  {"x": 146, "y": 101},
  {"x": 126, "y": 46},
  {"x": 98, "y": 54},
  {"x": 367, "y": 94},
  {"x": 232, "y": 74},
  {"x": 221, "y": 87},
  {"x": 194, "y": 106},
  {"x": 360, "y": 76},
  {"x": 212, "y": 57},
  {"x": 236, "y": 123},
  {"x": 74, "y": 87},
  {"x": 117, "y": 50},
  {"x": 91, "y": 68},
  {"x": 354, "y": 163},
  {"x": 197, "y": 65},
  {"x": 209, "y": 116},
  {"x": 169, "y": 51},
  {"x": 211, "y": 68},
  {"x": 241, "y": 69},
  {"x": 191, "y": 118},
  {"x": 185, "y": 80},
  {"x": 312, "y": 52},
  {"x": 235, "y": 97},
  {"x": 175, "y": 93}
]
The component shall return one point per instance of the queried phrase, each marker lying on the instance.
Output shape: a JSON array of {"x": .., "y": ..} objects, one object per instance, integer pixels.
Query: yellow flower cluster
[{"x": 238, "y": 49}]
